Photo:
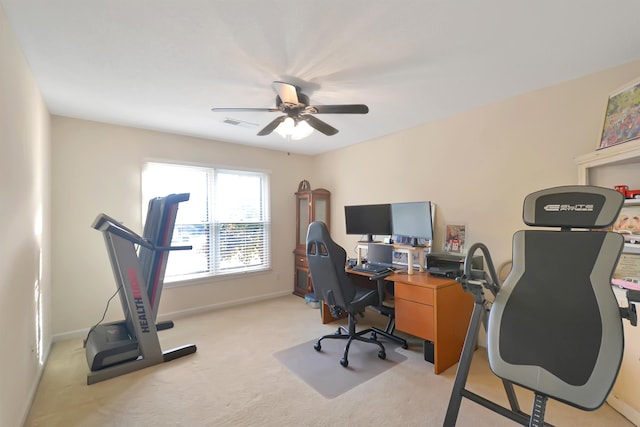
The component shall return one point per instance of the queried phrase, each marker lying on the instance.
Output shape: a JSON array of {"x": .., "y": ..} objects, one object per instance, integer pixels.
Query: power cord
[{"x": 84, "y": 341}]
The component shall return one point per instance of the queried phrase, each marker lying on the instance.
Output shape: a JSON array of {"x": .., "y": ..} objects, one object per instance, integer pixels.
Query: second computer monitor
[{"x": 413, "y": 220}]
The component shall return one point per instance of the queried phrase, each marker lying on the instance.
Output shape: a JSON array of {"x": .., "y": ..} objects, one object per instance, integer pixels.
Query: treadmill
[{"x": 118, "y": 348}]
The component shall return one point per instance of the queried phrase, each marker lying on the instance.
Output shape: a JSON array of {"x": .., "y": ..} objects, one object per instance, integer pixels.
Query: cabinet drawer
[
  {"x": 415, "y": 318},
  {"x": 301, "y": 261},
  {"x": 413, "y": 293}
]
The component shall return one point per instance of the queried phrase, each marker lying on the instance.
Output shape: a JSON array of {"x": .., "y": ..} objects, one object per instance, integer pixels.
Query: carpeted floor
[{"x": 235, "y": 379}]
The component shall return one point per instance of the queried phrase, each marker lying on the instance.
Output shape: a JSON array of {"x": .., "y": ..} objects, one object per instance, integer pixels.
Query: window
[{"x": 226, "y": 219}]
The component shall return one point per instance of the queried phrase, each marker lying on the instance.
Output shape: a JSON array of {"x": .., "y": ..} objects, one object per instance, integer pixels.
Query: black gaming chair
[
  {"x": 554, "y": 326},
  {"x": 332, "y": 285}
]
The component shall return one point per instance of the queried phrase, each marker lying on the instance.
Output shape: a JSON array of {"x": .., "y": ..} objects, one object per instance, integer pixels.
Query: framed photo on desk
[{"x": 454, "y": 239}]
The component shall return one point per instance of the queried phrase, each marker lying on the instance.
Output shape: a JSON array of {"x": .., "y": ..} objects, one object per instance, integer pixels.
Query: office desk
[
  {"x": 433, "y": 308},
  {"x": 436, "y": 310}
]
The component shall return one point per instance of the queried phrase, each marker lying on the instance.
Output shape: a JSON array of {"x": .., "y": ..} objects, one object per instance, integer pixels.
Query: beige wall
[
  {"x": 97, "y": 169},
  {"x": 25, "y": 234},
  {"x": 477, "y": 166}
]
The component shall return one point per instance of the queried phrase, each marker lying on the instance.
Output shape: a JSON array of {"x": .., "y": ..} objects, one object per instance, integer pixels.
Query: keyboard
[{"x": 371, "y": 268}]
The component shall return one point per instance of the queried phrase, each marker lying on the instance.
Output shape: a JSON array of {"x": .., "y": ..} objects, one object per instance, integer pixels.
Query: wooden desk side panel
[{"x": 453, "y": 312}]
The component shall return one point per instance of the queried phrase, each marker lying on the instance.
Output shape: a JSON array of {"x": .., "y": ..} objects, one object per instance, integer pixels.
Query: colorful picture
[
  {"x": 627, "y": 273},
  {"x": 454, "y": 239},
  {"x": 622, "y": 119},
  {"x": 628, "y": 223}
]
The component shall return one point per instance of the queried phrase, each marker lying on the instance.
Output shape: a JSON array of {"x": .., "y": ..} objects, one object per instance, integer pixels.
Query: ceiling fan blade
[
  {"x": 338, "y": 109},
  {"x": 271, "y": 126},
  {"x": 319, "y": 125},
  {"x": 288, "y": 93},
  {"x": 240, "y": 110}
]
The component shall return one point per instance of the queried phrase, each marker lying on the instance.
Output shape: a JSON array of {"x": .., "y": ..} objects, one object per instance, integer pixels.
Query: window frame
[{"x": 214, "y": 272}]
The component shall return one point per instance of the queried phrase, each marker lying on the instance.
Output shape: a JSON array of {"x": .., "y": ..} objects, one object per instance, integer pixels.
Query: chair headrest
[
  {"x": 318, "y": 231},
  {"x": 579, "y": 206}
]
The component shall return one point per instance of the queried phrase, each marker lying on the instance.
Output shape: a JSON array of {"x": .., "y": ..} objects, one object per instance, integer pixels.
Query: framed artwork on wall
[{"x": 622, "y": 118}]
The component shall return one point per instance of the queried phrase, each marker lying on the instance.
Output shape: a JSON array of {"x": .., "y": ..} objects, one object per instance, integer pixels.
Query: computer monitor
[
  {"x": 413, "y": 220},
  {"x": 368, "y": 220}
]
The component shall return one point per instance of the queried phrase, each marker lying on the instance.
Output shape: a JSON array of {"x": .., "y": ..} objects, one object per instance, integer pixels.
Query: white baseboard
[
  {"x": 34, "y": 387},
  {"x": 627, "y": 411},
  {"x": 81, "y": 333},
  {"x": 212, "y": 307}
]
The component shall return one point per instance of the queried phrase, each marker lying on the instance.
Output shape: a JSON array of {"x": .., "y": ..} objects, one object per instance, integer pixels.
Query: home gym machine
[
  {"x": 554, "y": 327},
  {"x": 118, "y": 348}
]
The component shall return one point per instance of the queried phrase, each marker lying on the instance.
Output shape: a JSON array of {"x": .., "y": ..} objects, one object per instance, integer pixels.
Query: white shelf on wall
[
  {"x": 620, "y": 156},
  {"x": 619, "y": 165}
]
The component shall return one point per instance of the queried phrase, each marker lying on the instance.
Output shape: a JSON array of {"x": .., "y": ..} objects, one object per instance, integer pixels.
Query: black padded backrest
[
  {"x": 326, "y": 261},
  {"x": 555, "y": 326}
]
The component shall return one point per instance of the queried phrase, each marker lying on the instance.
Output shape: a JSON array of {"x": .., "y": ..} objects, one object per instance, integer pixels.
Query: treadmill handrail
[
  {"x": 105, "y": 223},
  {"x": 173, "y": 248}
]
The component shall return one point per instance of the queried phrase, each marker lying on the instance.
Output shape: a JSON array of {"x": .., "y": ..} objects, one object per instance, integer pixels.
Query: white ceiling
[{"x": 163, "y": 64}]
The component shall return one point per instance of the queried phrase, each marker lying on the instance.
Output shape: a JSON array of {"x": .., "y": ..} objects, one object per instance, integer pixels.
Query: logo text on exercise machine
[
  {"x": 137, "y": 297},
  {"x": 569, "y": 208}
]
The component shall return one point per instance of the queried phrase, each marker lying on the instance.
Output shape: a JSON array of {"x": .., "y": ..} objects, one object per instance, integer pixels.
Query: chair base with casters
[
  {"x": 554, "y": 327},
  {"x": 350, "y": 335}
]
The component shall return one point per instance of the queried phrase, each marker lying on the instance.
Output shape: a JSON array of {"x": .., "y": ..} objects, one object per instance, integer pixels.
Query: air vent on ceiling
[{"x": 237, "y": 122}]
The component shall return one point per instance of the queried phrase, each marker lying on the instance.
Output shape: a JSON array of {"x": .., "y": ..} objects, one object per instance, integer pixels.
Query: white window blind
[{"x": 226, "y": 219}]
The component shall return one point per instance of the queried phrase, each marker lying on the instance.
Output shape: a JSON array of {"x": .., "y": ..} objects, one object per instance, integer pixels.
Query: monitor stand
[
  {"x": 414, "y": 243},
  {"x": 369, "y": 239}
]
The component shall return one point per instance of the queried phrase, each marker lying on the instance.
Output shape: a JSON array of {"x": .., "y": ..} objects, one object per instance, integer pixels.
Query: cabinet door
[
  {"x": 302, "y": 281},
  {"x": 321, "y": 210},
  {"x": 303, "y": 220}
]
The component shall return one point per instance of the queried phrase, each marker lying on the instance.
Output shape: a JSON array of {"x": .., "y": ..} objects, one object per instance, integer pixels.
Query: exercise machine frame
[
  {"x": 143, "y": 347},
  {"x": 476, "y": 282}
]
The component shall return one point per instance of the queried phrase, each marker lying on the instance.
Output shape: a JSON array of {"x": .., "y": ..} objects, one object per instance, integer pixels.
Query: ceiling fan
[{"x": 295, "y": 105}]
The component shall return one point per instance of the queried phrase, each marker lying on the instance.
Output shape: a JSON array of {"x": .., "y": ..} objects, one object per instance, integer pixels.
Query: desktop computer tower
[{"x": 428, "y": 350}]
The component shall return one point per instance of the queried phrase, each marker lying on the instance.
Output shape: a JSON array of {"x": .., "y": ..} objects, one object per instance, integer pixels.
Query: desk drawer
[
  {"x": 413, "y": 293},
  {"x": 415, "y": 318}
]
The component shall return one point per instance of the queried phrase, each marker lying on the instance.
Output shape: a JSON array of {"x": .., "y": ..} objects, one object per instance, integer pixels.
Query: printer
[{"x": 450, "y": 265}]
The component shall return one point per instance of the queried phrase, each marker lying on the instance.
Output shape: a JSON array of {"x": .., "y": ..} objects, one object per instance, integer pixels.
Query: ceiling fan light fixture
[
  {"x": 298, "y": 118},
  {"x": 289, "y": 128}
]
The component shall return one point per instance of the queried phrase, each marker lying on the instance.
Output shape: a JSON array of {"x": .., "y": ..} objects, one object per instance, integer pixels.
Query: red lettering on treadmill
[{"x": 135, "y": 285}]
